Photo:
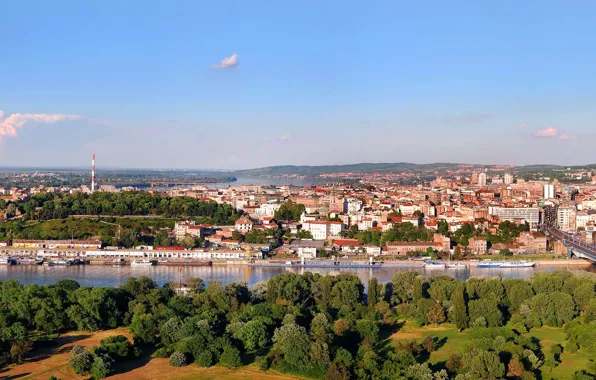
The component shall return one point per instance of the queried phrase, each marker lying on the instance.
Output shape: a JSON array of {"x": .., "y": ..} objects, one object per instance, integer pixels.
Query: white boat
[
  {"x": 456, "y": 265},
  {"x": 517, "y": 264},
  {"x": 142, "y": 263},
  {"x": 434, "y": 265}
]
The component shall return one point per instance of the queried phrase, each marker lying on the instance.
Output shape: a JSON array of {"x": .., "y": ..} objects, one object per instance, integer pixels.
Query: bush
[
  {"x": 263, "y": 362},
  {"x": 177, "y": 359},
  {"x": 205, "y": 359},
  {"x": 230, "y": 357},
  {"x": 102, "y": 366},
  {"x": 80, "y": 360},
  {"x": 117, "y": 346},
  {"x": 163, "y": 353}
]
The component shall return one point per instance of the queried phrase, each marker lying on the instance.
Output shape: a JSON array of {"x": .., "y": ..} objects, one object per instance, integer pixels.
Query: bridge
[{"x": 576, "y": 246}]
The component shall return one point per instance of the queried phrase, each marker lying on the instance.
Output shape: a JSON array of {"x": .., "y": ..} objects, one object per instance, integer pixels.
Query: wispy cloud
[
  {"x": 227, "y": 63},
  {"x": 523, "y": 125},
  {"x": 286, "y": 137},
  {"x": 548, "y": 132},
  {"x": 10, "y": 125},
  {"x": 564, "y": 137}
]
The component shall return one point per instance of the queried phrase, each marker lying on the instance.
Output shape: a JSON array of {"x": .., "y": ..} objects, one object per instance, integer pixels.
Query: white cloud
[
  {"x": 548, "y": 132},
  {"x": 286, "y": 137},
  {"x": 11, "y": 124},
  {"x": 228, "y": 62},
  {"x": 564, "y": 137},
  {"x": 523, "y": 125}
]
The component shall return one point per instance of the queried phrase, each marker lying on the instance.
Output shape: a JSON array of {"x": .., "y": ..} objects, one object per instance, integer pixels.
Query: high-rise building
[
  {"x": 566, "y": 218},
  {"x": 474, "y": 178},
  {"x": 548, "y": 191},
  {"x": 482, "y": 179},
  {"x": 508, "y": 179}
]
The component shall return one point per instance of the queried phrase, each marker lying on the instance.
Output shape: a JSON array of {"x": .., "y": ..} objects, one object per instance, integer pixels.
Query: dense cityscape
[
  {"x": 464, "y": 212},
  {"x": 297, "y": 190}
]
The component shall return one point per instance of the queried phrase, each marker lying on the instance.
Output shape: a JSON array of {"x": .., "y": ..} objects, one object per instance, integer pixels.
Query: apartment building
[
  {"x": 478, "y": 245},
  {"x": 530, "y": 215},
  {"x": 566, "y": 218}
]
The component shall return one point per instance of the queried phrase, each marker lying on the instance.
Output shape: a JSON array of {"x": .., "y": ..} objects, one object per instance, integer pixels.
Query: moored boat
[
  {"x": 489, "y": 264},
  {"x": 7, "y": 261},
  {"x": 456, "y": 265},
  {"x": 434, "y": 265},
  {"x": 142, "y": 263},
  {"x": 517, "y": 264}
]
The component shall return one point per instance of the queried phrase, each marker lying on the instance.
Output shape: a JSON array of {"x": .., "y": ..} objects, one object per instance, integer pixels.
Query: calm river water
[{"x": 98, "y": 275}]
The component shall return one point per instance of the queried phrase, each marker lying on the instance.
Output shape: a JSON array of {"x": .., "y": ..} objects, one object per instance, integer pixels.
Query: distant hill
[{"x": 397, "y": 167}]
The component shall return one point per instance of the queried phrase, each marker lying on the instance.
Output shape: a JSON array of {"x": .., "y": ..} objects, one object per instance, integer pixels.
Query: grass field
[
  {"x": 456, "y": 342},
  {"x": 570, "y": 363},
  {"x": 452, "y": 340},
  {"x": 53, "y": 361}
]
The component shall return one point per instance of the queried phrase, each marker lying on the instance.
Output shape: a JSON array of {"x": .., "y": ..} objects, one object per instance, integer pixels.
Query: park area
[
  {"x": 53, "y": 361},
  {"x": 452, "y": 341}
]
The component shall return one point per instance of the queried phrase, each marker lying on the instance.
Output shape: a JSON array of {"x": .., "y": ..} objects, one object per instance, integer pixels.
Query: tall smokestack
[{"x": 93, "y": 172}]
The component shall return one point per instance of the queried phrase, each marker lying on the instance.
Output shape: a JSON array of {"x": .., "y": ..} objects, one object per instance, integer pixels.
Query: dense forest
[
  {"x": 45, "y": 206},
  {"x": 314, "y": 326}
]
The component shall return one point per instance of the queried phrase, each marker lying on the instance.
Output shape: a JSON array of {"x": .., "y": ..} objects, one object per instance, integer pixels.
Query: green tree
[
  {"x": 373, "y": 292},
  {"x": 101, "y": 366},
  {"x": 460, "y": 310},
  {"x": 230, "y": 357},
  {"x": 80, "y": 360},
  {"x": 253, "y": 334},
  {"x": 292, "y": 344}
]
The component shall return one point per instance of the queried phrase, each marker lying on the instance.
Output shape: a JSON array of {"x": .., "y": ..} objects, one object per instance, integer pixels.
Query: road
[{"x": 574, "y": 243}]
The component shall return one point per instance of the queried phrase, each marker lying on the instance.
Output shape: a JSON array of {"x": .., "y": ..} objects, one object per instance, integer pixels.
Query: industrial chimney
[{"x": 93, "y": 172}]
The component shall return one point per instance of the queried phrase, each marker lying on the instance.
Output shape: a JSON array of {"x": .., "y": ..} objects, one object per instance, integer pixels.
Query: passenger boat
[
  {"x": 517, "y": 264},
  {"x": 434, "y": 265},
  {"x": 57, "y": 262},
  {"x": 142, "y": 263},
  {"x": 505, "y": 264},
  {"x": 489, "y": 264},
  {"x": 456, "y": 265}
]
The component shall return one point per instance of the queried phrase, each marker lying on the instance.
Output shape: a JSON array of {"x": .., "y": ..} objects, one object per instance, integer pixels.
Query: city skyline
[{"x": 239, "y": 86}]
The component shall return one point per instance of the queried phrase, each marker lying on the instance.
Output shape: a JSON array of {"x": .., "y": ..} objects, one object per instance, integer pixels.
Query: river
[{"x": 98, "y": 275}]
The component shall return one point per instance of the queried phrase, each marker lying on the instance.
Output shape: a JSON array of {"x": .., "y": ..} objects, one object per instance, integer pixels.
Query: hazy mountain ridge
[{"x": 397, "y": 167}]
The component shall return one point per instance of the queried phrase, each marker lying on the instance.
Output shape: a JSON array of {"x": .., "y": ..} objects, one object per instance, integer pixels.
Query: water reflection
[{"x": 117, "y": 275}]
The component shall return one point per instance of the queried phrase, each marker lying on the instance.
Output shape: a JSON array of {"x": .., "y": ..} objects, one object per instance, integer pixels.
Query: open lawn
[
  {"x": 450, "y": 339},
  {"x": 453, "y": 341},
  {"x": 570, "y": 363},
  {"x": 53, "y": 361}
]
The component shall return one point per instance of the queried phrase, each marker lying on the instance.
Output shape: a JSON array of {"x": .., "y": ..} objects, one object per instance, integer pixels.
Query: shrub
[
  {"x": 205, "y": 359},
  {"x": 102, "y": 366},
  {"x": 230, "y": 357},
  {"x": 163, "y": 352},
  {"x": 80, "y": 360},
  {"x": 117, "y": 346},
  {"x": 177, "y": 359},
  {"x": 263, "y": 362}
]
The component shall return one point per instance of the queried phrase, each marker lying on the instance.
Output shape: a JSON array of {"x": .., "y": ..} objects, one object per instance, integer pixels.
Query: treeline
[
  {"x": 126, "y": 232},
  {"x": 45, "y": 206},
  {"x": 316, "y": 326}
]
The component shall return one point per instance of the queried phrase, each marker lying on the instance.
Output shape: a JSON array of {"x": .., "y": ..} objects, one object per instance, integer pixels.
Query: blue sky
[{"x": 316, "y": 82}]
